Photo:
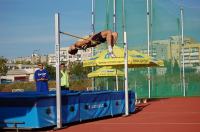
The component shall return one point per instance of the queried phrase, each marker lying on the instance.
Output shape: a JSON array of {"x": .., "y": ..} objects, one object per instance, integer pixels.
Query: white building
[
  {"x": 65, "y": 57},
  {"x": 20, "y": 75},
  {"x": 12, "y": 66},
  {"x": 20, "y": 72},
  {"x": 33, "y": 59},
  {"x": 51, "y": 59},
  {"x": 23, "y": 59}
]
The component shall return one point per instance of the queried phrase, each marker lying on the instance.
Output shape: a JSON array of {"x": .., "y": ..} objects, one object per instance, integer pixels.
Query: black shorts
[{"x": 98, "y": 38}]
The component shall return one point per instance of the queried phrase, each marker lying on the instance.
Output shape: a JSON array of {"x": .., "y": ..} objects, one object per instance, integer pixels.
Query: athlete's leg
[
  {"x": 114, "y": 38},
  {"x": 110, "y": 38},
  {"x": 108, "y": 35}
]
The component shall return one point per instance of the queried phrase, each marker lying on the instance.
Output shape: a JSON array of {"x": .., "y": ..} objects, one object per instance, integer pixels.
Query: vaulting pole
[{"x": 57, "y": 52}]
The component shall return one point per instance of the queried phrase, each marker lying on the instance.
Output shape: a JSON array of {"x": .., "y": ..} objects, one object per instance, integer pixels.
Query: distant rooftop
[{"x": 17, "y": 72}]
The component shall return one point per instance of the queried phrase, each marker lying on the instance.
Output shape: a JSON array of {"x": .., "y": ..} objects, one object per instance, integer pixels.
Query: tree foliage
[
  {"x": 52, "y": 71},
  {"x": 176, "y": 68},
  {"x": 168, "y": 65},
  {"x": 3, "y": 68},
  {"x": 77, "y": 71},
  {"x": 23, "y": 62}
]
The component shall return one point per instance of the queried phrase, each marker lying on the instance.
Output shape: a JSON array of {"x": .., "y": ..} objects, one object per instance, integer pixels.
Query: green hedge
[{"x": 30, "y": 86}]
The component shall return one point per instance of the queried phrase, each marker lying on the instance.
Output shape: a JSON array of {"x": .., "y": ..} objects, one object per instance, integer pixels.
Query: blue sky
[{"x": 28, "y": 25}]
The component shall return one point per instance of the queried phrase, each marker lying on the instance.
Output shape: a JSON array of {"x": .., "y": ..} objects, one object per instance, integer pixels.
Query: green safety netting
[{"x": 165, "y": 44}]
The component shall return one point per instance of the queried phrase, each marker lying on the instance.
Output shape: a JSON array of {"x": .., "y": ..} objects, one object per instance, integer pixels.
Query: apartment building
[
  {"x": 22, "y": 59},
  {"x": 191, "y": 54},
  {"x": 33, "y": 59},
  {"x": 65, "y": 57},
  {"x": 171, "y": 49}
]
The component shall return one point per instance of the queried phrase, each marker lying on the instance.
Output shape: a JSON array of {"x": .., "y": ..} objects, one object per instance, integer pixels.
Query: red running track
[{"x": 161, "y": 115}]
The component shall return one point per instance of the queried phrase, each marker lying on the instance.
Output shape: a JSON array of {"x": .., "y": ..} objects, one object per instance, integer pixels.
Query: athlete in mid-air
[{"x": 94, "y": 40}]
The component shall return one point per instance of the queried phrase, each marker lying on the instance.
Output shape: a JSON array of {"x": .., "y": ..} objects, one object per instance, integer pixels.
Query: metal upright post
[
  {"x": 57, "y": 52},
  {"x": 93, "y": 31},
  {"x": 116, "y": 80},
  {"x": 114, "y": 29},
  {"x": 114, "y": 15},
  {"x": 125, "y": 61},
  {"x": 151, "y": 38},
  {"x": 93, "y": 15},
  {"x": 148, "y": 41},
  {"x": 183, "y": 57}
]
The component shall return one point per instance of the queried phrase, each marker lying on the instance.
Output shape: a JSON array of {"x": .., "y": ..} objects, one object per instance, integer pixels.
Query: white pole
[
  {"x": 126, "y": 72},
  {"x": 135, "y": 86},
  {"x": 148, "y": 28},
  {"x": 114, "y": 29},
  {"x": 114, "y": 15},
  {"x": 135, "y": 92},
  {"x": 93, "y": 15},
  {"x": 182, "y": 42},
  {"x": 148, "y": 42},
  {"x": 93, "y": 31},
  {"x": 117, "y": 82},
  {"x": 125, "y": 62},
  {"x": 57, "y": 52}
]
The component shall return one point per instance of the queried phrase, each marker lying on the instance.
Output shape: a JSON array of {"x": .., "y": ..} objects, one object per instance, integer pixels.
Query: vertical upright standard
[
  {"x": 57, "y": 52},
  {"x": 125, "y": 61}
]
